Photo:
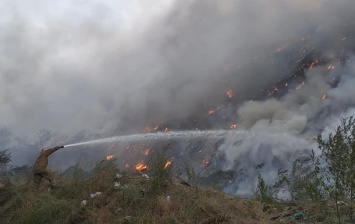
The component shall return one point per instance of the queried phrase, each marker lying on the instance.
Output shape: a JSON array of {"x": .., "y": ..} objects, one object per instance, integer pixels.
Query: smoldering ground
[{"x": 104, "y": 69}]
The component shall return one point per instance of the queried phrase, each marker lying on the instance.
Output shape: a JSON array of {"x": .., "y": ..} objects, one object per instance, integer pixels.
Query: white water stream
[{"x": 209, "y": 134}]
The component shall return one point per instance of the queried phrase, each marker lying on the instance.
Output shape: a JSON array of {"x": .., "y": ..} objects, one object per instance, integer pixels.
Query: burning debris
[
  {"x": 151, "y": 129},
  {"x": 167, "y": 164},
  {"x": 110, "y": 157},
  {"x": 234, "y": 126},
  {"x": 230, "y": 93},
  {"x": 213, "y": 111},
  {"x": 146, "y": 152},
  {"x": 289, "y": 80},
  {"x": 324, "y": 97},
  {"x": 140, "y": 167}
]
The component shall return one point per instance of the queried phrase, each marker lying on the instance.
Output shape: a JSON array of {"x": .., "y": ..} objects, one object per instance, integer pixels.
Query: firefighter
[{"x": 40, "y": 168}]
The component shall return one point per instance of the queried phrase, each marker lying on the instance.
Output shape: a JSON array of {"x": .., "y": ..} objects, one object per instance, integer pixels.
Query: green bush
[
  {"x": 161, "y": 176},
  {"x": 47, "y": 210}
]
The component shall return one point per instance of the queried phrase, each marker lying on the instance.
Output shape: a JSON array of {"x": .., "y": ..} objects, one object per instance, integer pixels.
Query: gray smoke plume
[{"x": 91, "y": 69}]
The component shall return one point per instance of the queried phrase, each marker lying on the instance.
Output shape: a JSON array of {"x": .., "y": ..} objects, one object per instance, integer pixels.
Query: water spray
[
  {"x": 208, "y": 134},
  {"x": 173, "y": 135}
]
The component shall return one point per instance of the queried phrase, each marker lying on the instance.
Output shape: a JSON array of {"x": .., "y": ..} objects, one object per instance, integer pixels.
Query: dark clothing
[
  {"x": 38, "y": 178},
  {"x": 42, "y": 161},
  {"x": 40, "y": 168}
]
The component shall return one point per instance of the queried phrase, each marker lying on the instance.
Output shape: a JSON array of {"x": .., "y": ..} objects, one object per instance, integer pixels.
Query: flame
[
  {"x": 233, "y": 126},
  {"x": 324, "y": 97},
  {"x": 206, "y": 161},
  {"x": 150, "y": 129},
  {"x": 273, "y": 90},
  {"x": 110, "y": 157},
  {"x": 141, "y": 167},
  {"x": 146, "y": 152},
  {"x": 311, "y": 65},
  {"x": 300, "y": 85},
  {"x": 213, "y": 111},
  {"x": 315, "y": 62},
  {"x": 230, "y": 93},
  {"x": 210, "y": 112},
  {"x": 330, "y": 67},
  {"x": 166, "y": 129},
  {"x": 167, "y": 164}
]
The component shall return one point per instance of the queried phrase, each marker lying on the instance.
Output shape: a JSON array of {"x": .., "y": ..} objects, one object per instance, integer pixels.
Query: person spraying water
[{"x": 40, "y": 168}]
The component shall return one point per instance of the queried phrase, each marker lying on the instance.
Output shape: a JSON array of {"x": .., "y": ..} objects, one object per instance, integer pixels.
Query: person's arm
[{"x": 52, "y": 150}]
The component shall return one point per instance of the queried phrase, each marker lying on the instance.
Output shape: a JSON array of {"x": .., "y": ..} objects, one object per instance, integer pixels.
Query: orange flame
[
  {"x": 167, "y": 164},
  {"x": 206, "y": 161},
  {"x": 230, "y": 93},
  {"x": 166, "y": 130},
  {"x": 110, "y": 157},
  {"x": 150, "y": 129},
  {"x": 233, "y": 126},
  {"x": 324, "y": 97},
  {"x": 314, "y": 62},
  {"x": 141, "y": 167},
  {"x": 211, "y": 112}
]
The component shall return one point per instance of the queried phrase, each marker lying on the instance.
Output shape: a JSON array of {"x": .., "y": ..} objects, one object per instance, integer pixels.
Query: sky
[{"x": 105, "y": 68}]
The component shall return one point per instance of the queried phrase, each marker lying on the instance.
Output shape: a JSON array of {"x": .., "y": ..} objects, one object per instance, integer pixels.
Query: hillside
[{"x": 115, "y": 197}]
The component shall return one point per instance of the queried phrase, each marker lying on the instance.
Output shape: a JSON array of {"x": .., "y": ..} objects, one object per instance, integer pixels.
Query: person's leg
[
  {"x": 37, "y": 180},
  {"x": 48, "y": 176}
]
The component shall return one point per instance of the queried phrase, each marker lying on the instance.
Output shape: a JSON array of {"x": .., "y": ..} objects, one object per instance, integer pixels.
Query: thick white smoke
[
  {"x": 98, "y": 69},
  {"x": 96, "y": 66}
]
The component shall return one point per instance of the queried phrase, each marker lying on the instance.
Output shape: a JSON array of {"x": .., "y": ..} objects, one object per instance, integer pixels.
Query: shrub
[
  {"x": 263, "y": 192},
  {"x": 161, "y": 172}
]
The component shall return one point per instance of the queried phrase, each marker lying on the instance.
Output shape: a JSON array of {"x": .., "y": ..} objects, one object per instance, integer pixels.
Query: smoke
[
  {"x": 92, "y": 69},
  {"x": 313, "y": 105},
  {"x": 100, "y": 66}
]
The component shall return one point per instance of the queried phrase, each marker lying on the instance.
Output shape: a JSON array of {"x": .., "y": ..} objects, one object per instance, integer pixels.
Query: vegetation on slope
[
  {"x": 124, "y": 198},
  {"x": 320, "y": 188},
  {"x": 323, "y": 181}
]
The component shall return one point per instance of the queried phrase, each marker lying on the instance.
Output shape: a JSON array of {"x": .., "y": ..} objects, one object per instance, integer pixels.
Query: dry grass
[{"x": 172, "y": 202}]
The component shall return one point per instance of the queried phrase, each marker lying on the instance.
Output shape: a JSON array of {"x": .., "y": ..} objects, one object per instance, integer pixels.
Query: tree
[
  {"x": 304, "y": 181},
  {"x": 338, "y": 151},
  {"x": 5, "y": 159}
]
